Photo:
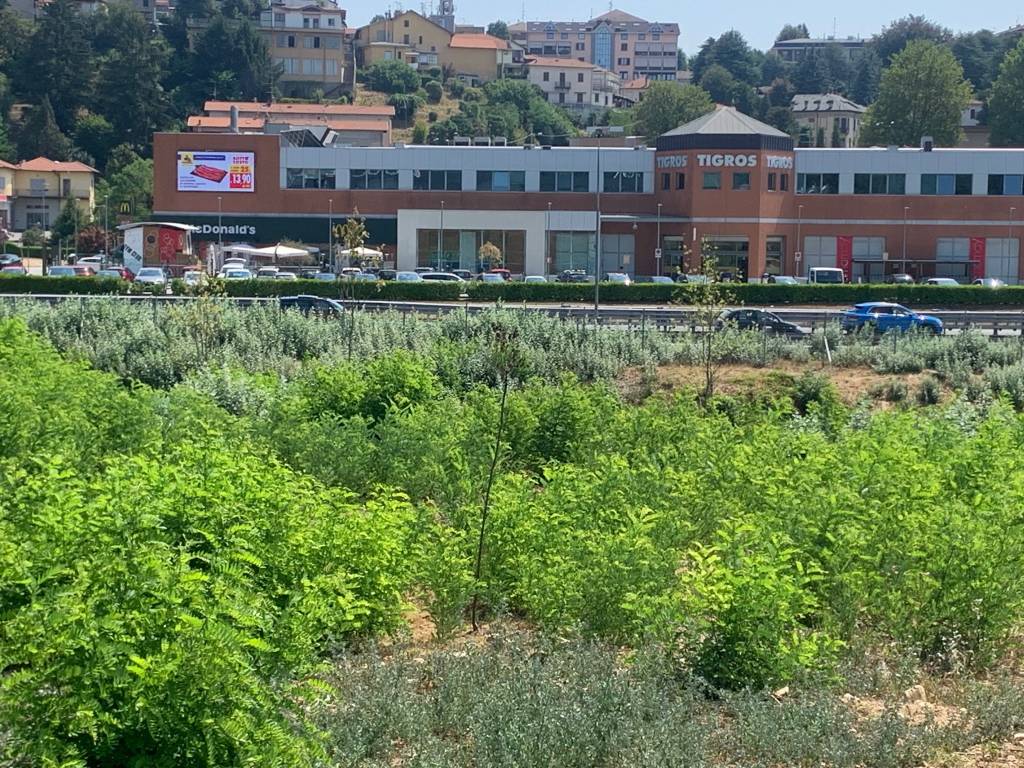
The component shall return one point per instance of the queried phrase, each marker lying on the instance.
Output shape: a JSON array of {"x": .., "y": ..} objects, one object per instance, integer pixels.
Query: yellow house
[
  {"x": 478, "y": 58},
  {"x": 7, "y": 171},
  {"x": 36, "y": 191},
  {"x": 406, "y": 36}
]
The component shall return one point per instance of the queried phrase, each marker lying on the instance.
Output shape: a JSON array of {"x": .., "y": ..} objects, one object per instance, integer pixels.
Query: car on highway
[
  {"x": 758, "y": 320},
  {"x": 619, "y": 278},
  {"x": 312, "y": 305},
  {"x": 989, "y": 282},
  {"x": 60, "y": 270},
  {"x": 408, "y": 277},
  {"x": 883, "y": 316},
  {"x": 945, "y": 282},
  {"x": 490, "y": 277},
  {"x": 151, "y": 276},
  {"x": 783, "y": 280},
  {"x": 13, "y": 270},
  {"x": 442, "y": 277}
]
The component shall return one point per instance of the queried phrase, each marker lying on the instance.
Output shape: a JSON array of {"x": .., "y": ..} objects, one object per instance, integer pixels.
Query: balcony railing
[{"x": 562, "y": 86}]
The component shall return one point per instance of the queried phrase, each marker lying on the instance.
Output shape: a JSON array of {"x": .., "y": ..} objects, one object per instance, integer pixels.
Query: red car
[
  {"x": 10, "y": 260},
  {"x": 505, "y": 274}
]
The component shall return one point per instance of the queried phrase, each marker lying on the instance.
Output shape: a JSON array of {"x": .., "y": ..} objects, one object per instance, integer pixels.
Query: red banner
[
  {"x": 171, "y": 241},
  {"x": 844, "y": 256},
  {"x": 977, "y": 257}
]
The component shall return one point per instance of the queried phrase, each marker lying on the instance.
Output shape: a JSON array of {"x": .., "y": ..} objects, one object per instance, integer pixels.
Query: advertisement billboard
[{"x": 216, "y": 171}]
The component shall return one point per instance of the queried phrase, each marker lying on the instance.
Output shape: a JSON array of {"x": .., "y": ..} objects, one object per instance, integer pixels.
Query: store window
[
  {"x": 1002, "y": 258},
  {"x": 666, "y": 181},
  {"x": 460, "y": 249},
  {"x": 501, "y": 181},
  {"x": 775, "y": 249},
  {"x": 437, "y": 180},
  {"x": 783, "y": 182},
  {"x": 817, "y": 183},
  {"x": 945, "y": 184},
  {"x": 1005, "y": 184},
  {"x": 771, "y": 182},
  {"x": 680, "y": 181},
  {"x": 618, "y": 254},
  {"x": 741, "y": 180},
  {"x": 879, "y": 184},
  {"x": 373, "y": 179},
  {"x": 818, "y": 252},
  {"x": 564, "y": 181},
  {"x": 623, "y": 181},
  {"x": 310, "y": 178},
  {"x": 712, "y": 180}
]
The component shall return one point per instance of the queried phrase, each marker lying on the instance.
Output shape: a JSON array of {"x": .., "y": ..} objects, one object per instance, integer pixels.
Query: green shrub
[
  {"x": 929, "y": 391},
  {"x": 434, "y": 91}
]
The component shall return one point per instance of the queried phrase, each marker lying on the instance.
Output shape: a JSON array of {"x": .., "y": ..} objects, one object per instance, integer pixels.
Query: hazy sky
[{"x": 758, "y": 21}]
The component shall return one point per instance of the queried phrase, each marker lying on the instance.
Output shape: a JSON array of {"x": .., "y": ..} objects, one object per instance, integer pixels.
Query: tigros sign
[
  {"x": 727, "y": 161},
  {"x": 778, "y": 161},
  {"x": 672, "y": 161}
]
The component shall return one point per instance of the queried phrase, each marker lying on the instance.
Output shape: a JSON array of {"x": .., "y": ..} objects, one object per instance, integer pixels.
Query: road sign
[{"x": 657, "y": 253}]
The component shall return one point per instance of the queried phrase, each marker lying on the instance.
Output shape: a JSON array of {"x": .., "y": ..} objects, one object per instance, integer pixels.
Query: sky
[{"x": 757, "y": 20}]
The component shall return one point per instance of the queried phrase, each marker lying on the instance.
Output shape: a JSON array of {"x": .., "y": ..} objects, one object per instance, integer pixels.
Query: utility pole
[
  {"x": 597, "y": 253},
  {"x": 440, "y": 238},
  {"x": 657, "y": 247},
  {"x": 220, "y": 232},
  {"x": 330, "y": 235}
]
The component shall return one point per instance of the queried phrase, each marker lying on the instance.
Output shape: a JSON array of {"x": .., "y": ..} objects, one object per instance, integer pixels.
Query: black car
[
  {"x": 899, "y": 278},
  {"x": 758, "y": 320},
  {"x": 387, "y": 274},
  {"x": 573, "y": 276},
  {"x": 312, "y": 304}
]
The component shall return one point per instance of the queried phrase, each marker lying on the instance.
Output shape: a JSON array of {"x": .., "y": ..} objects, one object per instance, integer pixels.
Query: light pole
[
  {"x": 440, "y": 238},
  {"x": 1009, "y": 232},
  {"x": 799, "y": 222},
  {"x": 330, "y": 235},
  {"x": 597, "y": 253},
  {"x": 906, "y": 210},
  {"x": 106, "y": 226},
  {"x": 547, "y": 241},
  {"x": 220, "y": 231},
  {"x": 657, "y": 245}
]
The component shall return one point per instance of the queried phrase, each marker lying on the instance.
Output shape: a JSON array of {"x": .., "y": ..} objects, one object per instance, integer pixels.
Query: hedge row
[{"x": 912, "y": 295}]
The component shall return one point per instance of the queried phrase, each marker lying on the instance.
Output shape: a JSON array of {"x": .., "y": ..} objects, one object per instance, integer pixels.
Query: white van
[{"x": 827, "y": 275}]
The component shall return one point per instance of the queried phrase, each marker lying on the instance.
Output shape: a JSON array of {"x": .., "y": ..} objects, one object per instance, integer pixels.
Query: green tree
[
  {"x": 895, "y": 37},
  {"x": 793, "y": 32},
  {"x": 680, "y": 60},
  {"x": 58, "y": 63},
  {"x": 128, "y": 89},
  {"x": 922, "y": 94},
  {"x": 979, "y": 54},
  {"x": 127, "y": 181},
  {"x": 1006, "y": 104},
  {"x": 419, "y": 133},
  {"x": 549, "y": 122},
  {"x": 667, "y": 105},
  {"x": 231, "y": 61},
  {"x": 7, "y": 149},
  {"x": 730, "y": 51},
  {"x": 68, "y": 222},
  {"x": 867, "y": 77},
  {"x": 498, "y": 29},
  {"x": 95, "y": 135},
  {"x": 520, "y": 93},
  {"x": 41, "y": 137},
  {"x": 391, "y": 77}
]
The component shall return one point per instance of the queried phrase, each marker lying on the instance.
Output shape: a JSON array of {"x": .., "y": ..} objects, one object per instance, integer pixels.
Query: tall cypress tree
[{"x": 40, "y": 136}]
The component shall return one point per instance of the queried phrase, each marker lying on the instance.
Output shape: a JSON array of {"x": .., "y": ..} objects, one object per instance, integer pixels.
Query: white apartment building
[{"x": 574, "y": 84}]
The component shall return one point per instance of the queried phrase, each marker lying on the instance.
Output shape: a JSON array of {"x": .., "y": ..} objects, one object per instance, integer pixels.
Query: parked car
[
  {"x": 234, "y": 264},
  {"x": 505, "y": 274},
  {"x": 620, "y": 278},
  {"x": 236, "y": 274},
  {"x": 365, "y": 277},
  {"x": 573, "y": 276},
  {"x": 408, "y": 277},
  {"x": 151, "y": 276},
  {"x": 662, "y": 280},
  {"x": 945, "y": 282},
  {"x": 387, "y": 274},
  {"x": 826, "y": 275},
  {"x": 13, "y": 270},
  {"x": 490, "y": 277},
  {"x": 883, "y": 316},
  {"x": 10, "y": 260},
  {"x": 783, "y": 280},
  {"x": 535, "y": 279},
  {"x": 193, "y": 277},
  {"x": 899, "y": 278},
  {"x": 465, "y": 274},
  {"x": 60, "y": 270},
  {"x": 325, "y": 276},
  {"x": 312, "y": 304},
  {"x": 95, "y": 262},
  {"x": 266, "y": 273},
  {"x": 421, "y": 270},
  {"x": 758, "y": 320},
  {"x": 117, "y": 273},
  {"x": 989, "y": 282},
  {"x": 83, "y": 270},
  {"x": 445, "y": 277},
  {"x": 693, "y": 279},
  {"x": 286, "y": 276}
]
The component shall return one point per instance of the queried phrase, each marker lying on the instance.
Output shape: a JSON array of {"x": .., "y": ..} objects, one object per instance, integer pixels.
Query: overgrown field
[{"x": 210, "y": 517}]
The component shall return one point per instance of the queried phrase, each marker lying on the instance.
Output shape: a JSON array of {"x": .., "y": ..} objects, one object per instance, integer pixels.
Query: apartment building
[
  {"x": 794, "y": 50},
  {"x": 32, "y": 192},
  {"x": 574, "y": 84},
  {"x": 420, "y": 42},
  {"x": 818, "y": 115},
  {"x": 308, "y": 39},
  {"x": 627, "y": 45}
]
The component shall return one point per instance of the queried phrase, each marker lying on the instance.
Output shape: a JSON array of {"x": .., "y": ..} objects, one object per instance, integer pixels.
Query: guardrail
[{"x": 668, "y": 319}]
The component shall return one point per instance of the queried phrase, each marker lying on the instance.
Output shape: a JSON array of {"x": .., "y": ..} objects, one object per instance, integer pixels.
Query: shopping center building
[{"x": 724, "y": 184}]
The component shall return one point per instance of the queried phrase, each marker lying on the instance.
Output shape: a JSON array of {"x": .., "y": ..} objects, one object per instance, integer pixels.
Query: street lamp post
[
  {"x": 330, "y": 235},
  {"x": 440, "y": 238},
  {"x": 799, "y": 223},
  {"x": 547, "y": 241},
  {"x": 106, "y": 226},
  {"x": 597, "y": 252},
  {"x": 657, "y": 245},
  {"x": 906, "y": 210},
  {"x": 1009, "y": 231},
  {"x": 220, "y": 232}
]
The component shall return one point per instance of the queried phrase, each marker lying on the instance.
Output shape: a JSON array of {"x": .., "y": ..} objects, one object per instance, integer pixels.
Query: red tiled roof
[
  {"x": 251, "y": 107},
  {"x": 9, "y": 166},
  {"x": 204, "y": 121},
  {"x": 359, "y": 125},
  {"x": 542, "y": 61},
  {"x": 475, "y": 40},
  {"x": 44, "y": 165},
  {"x": 636, "y": 84}
]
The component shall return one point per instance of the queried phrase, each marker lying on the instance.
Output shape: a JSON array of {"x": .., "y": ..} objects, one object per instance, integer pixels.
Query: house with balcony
[
  {"x": 33, "y": 192},
  {"x": 819, "y": 115},
  {"x": 308, "y": 40},
  {"x": 407, "y": 36},
  {"x": 574, "y": 84}
]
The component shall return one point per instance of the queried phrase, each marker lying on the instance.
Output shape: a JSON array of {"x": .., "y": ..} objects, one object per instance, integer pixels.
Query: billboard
[{"x": 216, "y": 171}]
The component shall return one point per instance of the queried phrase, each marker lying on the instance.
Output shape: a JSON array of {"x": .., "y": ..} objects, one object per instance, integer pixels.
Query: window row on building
[
  {"x": 896, "y": 184},
  {"x": 739, "y": 180},
  {"x": 310, "y": 42},
  {"x": 291, "y": 66},
  {"x": 486, "y": 181}
]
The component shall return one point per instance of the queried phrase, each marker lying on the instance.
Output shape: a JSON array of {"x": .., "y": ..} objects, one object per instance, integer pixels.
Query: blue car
[{"x": 883, "y": 316}]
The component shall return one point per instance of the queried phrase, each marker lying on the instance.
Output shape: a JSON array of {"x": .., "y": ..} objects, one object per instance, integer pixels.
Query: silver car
[{"x": 151, "y": 276}]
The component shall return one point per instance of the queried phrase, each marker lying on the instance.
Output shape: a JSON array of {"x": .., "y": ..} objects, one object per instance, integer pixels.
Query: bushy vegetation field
[{"x": 210, "y": 516}]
